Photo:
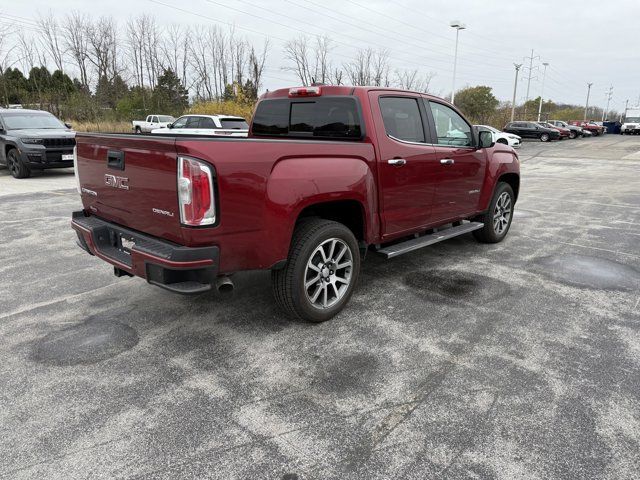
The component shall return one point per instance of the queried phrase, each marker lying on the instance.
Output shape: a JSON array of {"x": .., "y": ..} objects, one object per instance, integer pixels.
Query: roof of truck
[{"x": 342, "y": 90}]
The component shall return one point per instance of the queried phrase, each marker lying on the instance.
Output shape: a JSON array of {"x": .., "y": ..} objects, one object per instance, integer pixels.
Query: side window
[
  {"x": 206, "y": 122},
  {"x": 193, "y": 122},
  {"x": 154, "y": 119},
  {"x": 402, "y": 119},
  {"x": 451, "y": 128},
  {"x": 180, "y": 123}
]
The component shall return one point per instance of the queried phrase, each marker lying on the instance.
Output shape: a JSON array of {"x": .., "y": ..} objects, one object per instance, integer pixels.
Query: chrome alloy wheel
[
  {"x": 328, "y": 273},
  {"x": 502, "y": 213}
]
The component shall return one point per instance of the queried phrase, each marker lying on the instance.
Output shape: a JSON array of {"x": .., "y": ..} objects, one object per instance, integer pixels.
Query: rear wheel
[
  {"x": 497, "y": 219},
  {"x": 572, "y": 134},
  {"x": 321, "y": 271},
  {"x": 138, "y": 130},
  {"x": 544, "y": 137},
  {"x": 16, "y": 166}
]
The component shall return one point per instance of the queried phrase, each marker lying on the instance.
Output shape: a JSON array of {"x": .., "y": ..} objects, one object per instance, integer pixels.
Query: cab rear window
[{"x": 320, "y": 117}]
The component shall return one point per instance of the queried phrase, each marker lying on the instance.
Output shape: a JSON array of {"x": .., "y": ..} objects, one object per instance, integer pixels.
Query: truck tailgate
[{"x": 131, "y": 181}]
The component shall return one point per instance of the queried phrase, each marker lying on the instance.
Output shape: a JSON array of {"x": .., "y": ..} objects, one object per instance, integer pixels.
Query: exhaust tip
[{"x": 224, "y": 285}]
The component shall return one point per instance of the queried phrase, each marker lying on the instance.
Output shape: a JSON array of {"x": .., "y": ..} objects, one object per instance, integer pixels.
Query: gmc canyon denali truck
[
  {"x": 327, "y": 173},
  {"x": 34, "y": 140}
]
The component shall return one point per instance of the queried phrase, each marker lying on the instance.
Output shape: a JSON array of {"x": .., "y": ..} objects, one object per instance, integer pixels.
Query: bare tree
[
  {"x": 5, "y": 57},
  {"x": 103, "y": 47},
  {"x": 311, "y": 64},
  {"x": 256, "y": 65},
  {"x": 175, "y": 51},
  {"x": 412, "y": 80},
  {"x": 297, "y": 51},
  {"x": 75, "y": 32},
  {"x": 51, "y": 39},
  {"x": 369, "y": 68}
]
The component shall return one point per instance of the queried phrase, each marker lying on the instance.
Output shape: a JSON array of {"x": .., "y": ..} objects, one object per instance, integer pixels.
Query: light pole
[
  {"x": 586, "y": 107},
  {"x": 544, "y": 74},
  {"x": 515, "y": 88},
  {"x": 606, "y": 110},
  {"x": 458, "y": 26}
]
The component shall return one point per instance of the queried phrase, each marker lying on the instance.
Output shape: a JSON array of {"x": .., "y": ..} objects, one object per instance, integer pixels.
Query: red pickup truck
[
  {"x": 591, "y": 126},
  {"x": 327, "y": 174}
]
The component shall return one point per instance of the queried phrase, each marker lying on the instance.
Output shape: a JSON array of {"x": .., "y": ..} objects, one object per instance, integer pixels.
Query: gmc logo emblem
[{"x": 116, "y": 182}]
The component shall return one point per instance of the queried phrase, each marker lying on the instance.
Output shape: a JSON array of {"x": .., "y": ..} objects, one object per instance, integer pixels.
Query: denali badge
[
  {"x": 88, "y": 192},
  {"x": 116, "y": 182},
  {"x": 162, "y": 212}
]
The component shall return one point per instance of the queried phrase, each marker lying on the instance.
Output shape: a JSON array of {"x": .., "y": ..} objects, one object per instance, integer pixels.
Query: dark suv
[
  {"x": 34, "y": 140},
  {"x": 532, "y": 130}
]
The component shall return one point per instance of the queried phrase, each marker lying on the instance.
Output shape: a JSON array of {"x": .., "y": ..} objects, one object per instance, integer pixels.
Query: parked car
[
  {"x": 591, "y": 126},
  {"x": 328, "y": 173},
  {"x": 34, "y": 140},
  {"x": 564, "y": 132},
  {"x": 503, "y": 137},
  {"x": 215, "y": 125},
  {"x": 151, "y": 123},
  {"x": 532, "y": 130},
  {"x": 574, "y": 131},
  {"x": 631, "y": 125}
]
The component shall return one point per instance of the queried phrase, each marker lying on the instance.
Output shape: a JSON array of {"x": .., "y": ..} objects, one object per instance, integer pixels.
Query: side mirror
[
  {"x": 169, "y": 125},
  {"x": 485, "y": 139},
  {"x": 68, "y": 125}
]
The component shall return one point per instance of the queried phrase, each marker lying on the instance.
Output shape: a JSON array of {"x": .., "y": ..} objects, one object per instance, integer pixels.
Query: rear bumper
[{"x": 174, "y": 267}]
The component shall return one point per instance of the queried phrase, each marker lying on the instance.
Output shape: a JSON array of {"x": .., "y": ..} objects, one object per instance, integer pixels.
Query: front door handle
[
  {"x": 397, "y": 161},
  {"x": 447, "y": 161}
]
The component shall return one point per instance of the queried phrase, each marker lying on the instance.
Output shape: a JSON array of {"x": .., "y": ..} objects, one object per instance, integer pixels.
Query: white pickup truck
[{"x": 151, "y": 123}]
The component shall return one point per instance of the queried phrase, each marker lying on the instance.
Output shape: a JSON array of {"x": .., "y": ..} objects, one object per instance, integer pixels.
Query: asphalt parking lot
[{"x": 462, "y": 360}]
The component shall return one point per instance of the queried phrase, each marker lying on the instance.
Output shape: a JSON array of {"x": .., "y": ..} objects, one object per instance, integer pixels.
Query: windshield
[
  {"x": 165, "y": 118},
  {"x": 30, "y": 121},
  {"x": 633, "y": 120}
]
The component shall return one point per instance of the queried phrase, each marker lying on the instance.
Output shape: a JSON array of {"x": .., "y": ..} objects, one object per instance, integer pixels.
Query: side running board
[{"x": 426, "y": 240}]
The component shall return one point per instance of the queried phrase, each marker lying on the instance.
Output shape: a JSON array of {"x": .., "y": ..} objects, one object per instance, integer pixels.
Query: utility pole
[
  {"x": 626, "y": 107},
  {"x": 544, "y": 75},
  {"x": 458, "y": 26},
  {"x": 531, "y": 59},
  {"x": 609, "y": 94},
  {"x": 586, "y": 107},
  {"x": 515, "y": 88}
]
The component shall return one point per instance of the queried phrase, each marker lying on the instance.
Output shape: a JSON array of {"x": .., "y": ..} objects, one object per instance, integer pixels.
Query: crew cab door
[
  {"x": 460, "y": 165},
  {"x": 407, "y": 162}
]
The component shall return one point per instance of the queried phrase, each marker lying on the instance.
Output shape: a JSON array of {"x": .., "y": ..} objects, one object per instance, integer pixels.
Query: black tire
[
  {"x": 572, "y": 135},
  {"x": 138, "y": 130},
  {"x": 544, "y": 137},
  {"x": 488, "y": 233},
  {"x": 289, "y": 282},
  {"x": 502, "y": 141},
  {"x": 16, "y": 166}
]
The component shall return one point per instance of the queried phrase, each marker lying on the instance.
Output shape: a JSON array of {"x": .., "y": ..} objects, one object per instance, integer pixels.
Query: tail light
[
  {"x": 196, "y": 192},
  {"x": 304, "y": 92}
]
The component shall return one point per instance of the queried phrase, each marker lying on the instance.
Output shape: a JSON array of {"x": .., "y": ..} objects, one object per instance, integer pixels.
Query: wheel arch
[
  {"x": 349, "y": 212},
  {"x": 513, "y": 179}
]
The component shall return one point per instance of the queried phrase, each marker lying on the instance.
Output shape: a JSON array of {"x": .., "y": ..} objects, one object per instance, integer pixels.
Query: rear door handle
[
  {"x": 397, "y": 161},
  {"x": 447, "y": 161}
]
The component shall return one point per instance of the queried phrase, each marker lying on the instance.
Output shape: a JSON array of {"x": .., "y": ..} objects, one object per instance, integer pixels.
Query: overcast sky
[{"x": 582, "y": 40}]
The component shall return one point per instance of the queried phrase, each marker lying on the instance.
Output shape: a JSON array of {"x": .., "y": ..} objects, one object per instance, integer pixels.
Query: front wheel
[
  {"x": 544, "y": 137},
  {"x": 17, "y": 168},
  {"x": 321, "y": 271},
  {"x": 497, "y": 220},
  {"x": 572, "y": 135}
]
